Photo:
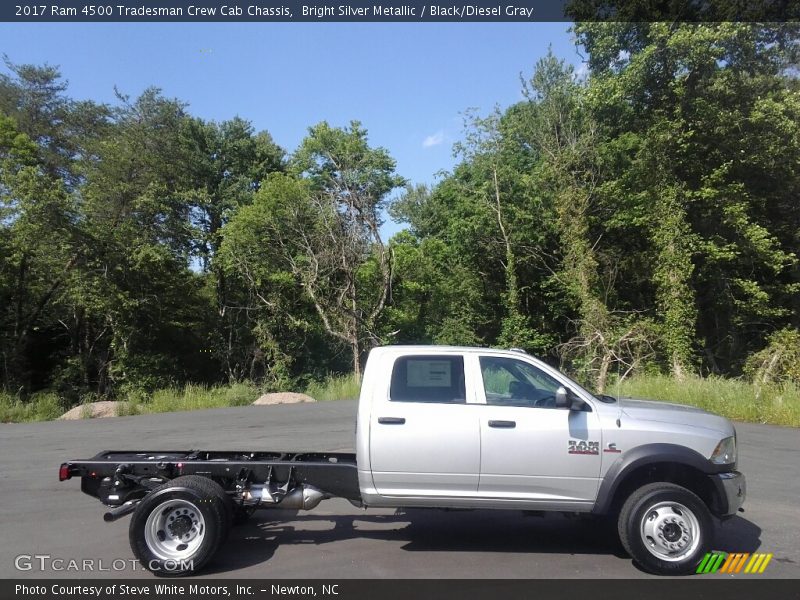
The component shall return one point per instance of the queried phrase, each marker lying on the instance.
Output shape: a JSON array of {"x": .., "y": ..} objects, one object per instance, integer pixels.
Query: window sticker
[{"x": 429, "y": 373}]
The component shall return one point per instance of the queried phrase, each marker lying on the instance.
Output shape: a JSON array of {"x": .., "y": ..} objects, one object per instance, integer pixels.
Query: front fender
[{"x": 650, "y": 454}]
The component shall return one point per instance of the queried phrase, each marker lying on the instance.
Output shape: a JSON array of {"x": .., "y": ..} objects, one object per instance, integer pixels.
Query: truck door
[
  {"x": 424, "y": 437},
  {"x": 531, "y": 450}
]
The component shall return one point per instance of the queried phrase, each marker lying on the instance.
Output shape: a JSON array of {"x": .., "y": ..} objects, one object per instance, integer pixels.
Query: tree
[
  {"x": 348, "y": 184},
  {"x": 485, "y": 148},
  {"x": 137, "y": 314},
  {"x": 436, "y": 297},
  {"x": 62, "y": 128},
  {"x": 566, "y": 138},
  {"x": 261, "y": 251},
  {"x": 40, "y": 239},
  {"x": 226, "y": 162}
]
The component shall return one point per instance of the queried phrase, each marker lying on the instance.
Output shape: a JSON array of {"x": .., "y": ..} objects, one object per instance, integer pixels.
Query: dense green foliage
[
  {"x": 643, "y": 218},
  {"x": 649, "y": 213}
]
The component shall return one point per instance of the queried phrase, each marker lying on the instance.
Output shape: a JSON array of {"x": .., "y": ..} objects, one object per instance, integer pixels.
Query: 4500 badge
[{"x": 583, "y": 447}]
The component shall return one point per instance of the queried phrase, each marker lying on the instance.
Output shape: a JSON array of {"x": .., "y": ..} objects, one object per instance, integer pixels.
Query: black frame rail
[{"x": 334, "y": 473}]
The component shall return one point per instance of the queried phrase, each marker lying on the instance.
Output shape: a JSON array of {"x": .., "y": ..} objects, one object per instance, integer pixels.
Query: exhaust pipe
[{"x": 120, "y": 511}]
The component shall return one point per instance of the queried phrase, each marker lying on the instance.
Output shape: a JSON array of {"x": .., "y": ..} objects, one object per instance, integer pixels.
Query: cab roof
[{"x": 434, "y": 348}]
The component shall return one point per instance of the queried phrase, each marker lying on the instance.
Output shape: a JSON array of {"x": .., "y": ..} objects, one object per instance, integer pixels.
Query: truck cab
[
  {"x": 476, "y": 428},
  {"x": 499, "y": 428}
]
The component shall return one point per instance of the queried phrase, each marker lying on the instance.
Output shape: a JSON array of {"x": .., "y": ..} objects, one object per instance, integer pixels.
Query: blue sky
[{"x": 408, "y": 83}]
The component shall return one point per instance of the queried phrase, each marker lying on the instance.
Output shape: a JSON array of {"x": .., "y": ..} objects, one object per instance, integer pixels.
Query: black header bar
[
  {"x": 700, "y": 587},
  {"x": 199, "y": 11}
]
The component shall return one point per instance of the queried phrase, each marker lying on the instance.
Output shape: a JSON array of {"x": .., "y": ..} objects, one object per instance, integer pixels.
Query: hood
[{"x": 678, "y": 414}]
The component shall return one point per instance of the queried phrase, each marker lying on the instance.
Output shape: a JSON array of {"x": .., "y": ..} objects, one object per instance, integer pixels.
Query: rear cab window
[{"x": 435, "y": 378}]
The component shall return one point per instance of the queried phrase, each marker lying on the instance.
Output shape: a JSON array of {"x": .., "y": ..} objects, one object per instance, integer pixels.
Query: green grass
[
  {"x": 43, "y": 406},
  {"x": 190, "y": 397},
  {"x": 335, "y": 387},
  {"x": 732, "y": 398}
]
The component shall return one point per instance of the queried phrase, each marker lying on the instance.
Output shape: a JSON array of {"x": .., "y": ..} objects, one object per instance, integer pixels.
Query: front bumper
[{"x": 731, "y": 490}]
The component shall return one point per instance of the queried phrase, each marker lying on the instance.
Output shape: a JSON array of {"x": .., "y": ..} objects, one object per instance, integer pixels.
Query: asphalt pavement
[{"x": 39, "y": 516}]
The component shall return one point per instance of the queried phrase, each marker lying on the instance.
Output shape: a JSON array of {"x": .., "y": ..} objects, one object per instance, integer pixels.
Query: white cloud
[{"x": 433, "y": 140}]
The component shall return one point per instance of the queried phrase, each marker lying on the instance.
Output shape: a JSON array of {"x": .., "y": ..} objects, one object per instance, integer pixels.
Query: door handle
[
  {"x": 503, "y": 424},
  {"x": 391, "y": 420}
]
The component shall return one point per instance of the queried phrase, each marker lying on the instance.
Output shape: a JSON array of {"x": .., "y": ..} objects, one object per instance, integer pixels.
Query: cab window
[
  {"x": 428, "y": 379},
  {"x": 511, "y": 382}
]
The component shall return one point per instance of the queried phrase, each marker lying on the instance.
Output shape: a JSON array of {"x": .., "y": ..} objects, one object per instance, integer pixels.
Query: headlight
[{"x": 725, "y": 452}]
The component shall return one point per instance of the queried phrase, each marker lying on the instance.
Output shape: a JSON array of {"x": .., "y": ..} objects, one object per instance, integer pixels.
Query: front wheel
[
  {"x": 666, "y": 528},
  {"x": 177, "y": 528}
]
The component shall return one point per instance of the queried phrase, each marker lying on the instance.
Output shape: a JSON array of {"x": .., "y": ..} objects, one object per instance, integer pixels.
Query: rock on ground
[
  {"x": 91, "y": 410},
  {"x": 283, "y": 398}
]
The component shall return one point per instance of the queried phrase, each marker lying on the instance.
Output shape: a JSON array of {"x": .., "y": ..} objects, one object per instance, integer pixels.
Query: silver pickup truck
[{"x": 450, "y": 427}]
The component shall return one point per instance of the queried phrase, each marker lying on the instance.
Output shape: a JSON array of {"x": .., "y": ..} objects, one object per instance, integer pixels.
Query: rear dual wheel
[{"x": 178, "y": 527}]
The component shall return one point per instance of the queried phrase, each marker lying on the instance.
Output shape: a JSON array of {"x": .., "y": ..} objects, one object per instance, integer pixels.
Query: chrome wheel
[
  {"x": 174, "y": 530},
  {"x": 670, "y": 531}
]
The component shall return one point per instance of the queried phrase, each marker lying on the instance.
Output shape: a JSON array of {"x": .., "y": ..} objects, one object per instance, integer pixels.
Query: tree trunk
[
  {"x": 510, "y": 266},
  {"x": 602, "y": 374},
  {"x": 673, "y": 271},
  {"x": 356, "y": 349},
  {"x": 678, "y": 372}
]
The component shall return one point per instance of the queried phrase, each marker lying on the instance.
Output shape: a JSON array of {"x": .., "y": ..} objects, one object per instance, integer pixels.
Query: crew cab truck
[{"x": 449, "y": 427}]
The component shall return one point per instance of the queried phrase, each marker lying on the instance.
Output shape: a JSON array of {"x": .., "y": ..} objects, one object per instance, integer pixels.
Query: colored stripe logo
[{"x": 734, "y": 562}]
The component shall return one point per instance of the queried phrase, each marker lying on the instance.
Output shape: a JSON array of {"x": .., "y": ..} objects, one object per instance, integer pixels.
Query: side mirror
[{"x": 562, "y": 398}]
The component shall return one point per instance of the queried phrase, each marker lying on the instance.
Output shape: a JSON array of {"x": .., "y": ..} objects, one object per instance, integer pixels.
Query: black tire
[
  {"x": 191, "y": 505},
  {"x": 673, "y": 515}
]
